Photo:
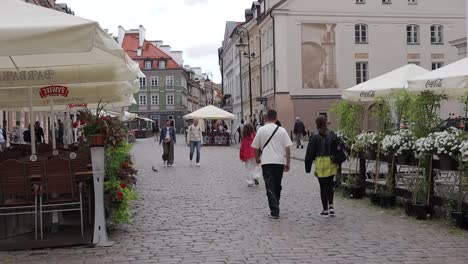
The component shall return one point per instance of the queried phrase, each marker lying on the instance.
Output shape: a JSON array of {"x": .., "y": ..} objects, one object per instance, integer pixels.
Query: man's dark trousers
[{"x": 272, "y": 175}]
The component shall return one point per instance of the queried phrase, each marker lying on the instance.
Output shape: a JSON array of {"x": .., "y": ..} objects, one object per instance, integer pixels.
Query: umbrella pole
[
  {"x": 32, "y": 133},
  {"x": 52, "y": 124}
]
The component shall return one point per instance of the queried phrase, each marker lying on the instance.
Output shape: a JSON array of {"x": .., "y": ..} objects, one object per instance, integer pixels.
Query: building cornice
[{"x": 283, "y": 12}]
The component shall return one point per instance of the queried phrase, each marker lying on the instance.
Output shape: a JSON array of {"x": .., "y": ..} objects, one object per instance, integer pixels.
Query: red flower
[
  {"x": 82, "y": 122},
  {"x": 125, "y": 165},
  {"x": 123, "y": 185},
  {"x": 120, "y": 196}
]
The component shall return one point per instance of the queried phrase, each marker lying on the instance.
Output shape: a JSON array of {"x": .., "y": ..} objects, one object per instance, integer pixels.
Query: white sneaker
[{"x": 198, "y": 164}]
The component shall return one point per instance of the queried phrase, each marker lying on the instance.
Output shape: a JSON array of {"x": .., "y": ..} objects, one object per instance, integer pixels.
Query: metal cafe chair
[
  {"x": 17, "y": 195},
  {"x": 60, "y": 192}
]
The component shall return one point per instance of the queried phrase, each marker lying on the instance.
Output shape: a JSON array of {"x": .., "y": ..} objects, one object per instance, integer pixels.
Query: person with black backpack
[{"x": 328, "y": 153}]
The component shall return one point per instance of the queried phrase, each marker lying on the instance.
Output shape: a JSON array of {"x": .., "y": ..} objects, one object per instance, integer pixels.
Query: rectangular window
[
  {"x": 412, "y": 34},
  {"x": 169, "y": 80},
  {"x": 154, "y": 100},
  {"x": 162, "y": 64},
  {"x": 360, "y": 33},
  {"x": 386, "y": 1},
  {"x": 148, "y": 64},
  {"x": 360, "y": 1},
  {"x": 142, "y": 81},
  {"x": 362, "y": 72},
  {"x": 170, "y": 99},
  {"x": 437, "y": 65},
  {"x": 154, "y": 81},
  {"x": 142, "y": 100},
  {"x": 437, "y": 34},
  {"x": 412, "y": 2},
  {"x": 415, "y": 63}
]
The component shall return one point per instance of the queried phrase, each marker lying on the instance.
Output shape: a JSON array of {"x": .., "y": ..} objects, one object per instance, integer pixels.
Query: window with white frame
[
  {"x": 412, "y": 2},
  {"x": 154, "y": 99},
  {"x": 360, "y": 33},
  {"x": 437, "y": 34},
  {"x": 436, "y": 65},
  {"x": 154, "y": 81},
  {"x": 412, "y": 34},
  {"x": 386, "y": 1},
  {"x": 143, "y": 81},
  {"x": 162, "y": 64},
  {"x": 170, "y": 99},
  {"x": 360, "y": 1},
  {"x": 169, "y": 80},
  {"x": 362, "y": 72},
  {"x": 142, "y": 99},
  {"x": 148, "y": 64},
  {"x": 415, "y": 63}
]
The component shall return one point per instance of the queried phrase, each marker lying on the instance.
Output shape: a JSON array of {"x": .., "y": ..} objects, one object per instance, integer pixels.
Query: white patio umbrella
[
  {"x": 52, "y": 58},
  {"x": 211, "y": 112},
  {"x": 451, "y": 80},
  {"x": 384, "y": 84}
]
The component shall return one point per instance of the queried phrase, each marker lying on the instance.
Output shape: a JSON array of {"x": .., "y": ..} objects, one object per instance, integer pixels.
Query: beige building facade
[{"x": 319, "y": 48}]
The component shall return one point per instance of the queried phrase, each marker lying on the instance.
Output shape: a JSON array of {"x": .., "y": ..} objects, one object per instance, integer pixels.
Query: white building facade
[
  {"x": 319, "y": 48},
  {"x": 230, "y": 65}
]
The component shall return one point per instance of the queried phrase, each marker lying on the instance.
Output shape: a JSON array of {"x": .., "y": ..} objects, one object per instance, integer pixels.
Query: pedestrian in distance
[
  {"x": 247, "y": 155},
  {"x": 299, "y": 132},
  {"x": 156, "y": 131},
  {"x": 39, "y": 132},
  {"x": 273, "y": 151},
  {"x": 196, "y": 136},
  {"x": 168, "y": 139},
  {"x": 239, "y": 129},
  {"x": 3, "y": 142},
  {"x": 320, "y": 150}
]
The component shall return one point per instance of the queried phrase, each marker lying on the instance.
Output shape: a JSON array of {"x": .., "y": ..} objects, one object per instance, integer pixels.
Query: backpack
[{"x": 339, "y": 153}]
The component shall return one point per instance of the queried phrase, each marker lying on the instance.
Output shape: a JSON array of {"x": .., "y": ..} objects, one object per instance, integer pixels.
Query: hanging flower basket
[
  {"x": 446, "y": 162},
  {"x": 98, "y": 140}
]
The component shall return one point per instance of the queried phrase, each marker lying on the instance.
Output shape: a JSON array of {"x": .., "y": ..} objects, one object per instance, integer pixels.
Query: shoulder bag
[{"x": 268, "y": 141}]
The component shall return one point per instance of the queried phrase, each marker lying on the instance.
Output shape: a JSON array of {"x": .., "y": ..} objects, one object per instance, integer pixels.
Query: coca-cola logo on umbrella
[
  {"x": 54, "y": 90},
  {"x": 367, "y": 94},
  {"x": 434, "y": 83}
]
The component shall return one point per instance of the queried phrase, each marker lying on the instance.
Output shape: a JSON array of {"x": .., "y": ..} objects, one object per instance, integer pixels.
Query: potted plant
[
  {"x": 447, "y": 147},
  {"x": 461, "y": 219},
  {"x": 366, "y": 143},
  {"x": 96, "y": 128}
]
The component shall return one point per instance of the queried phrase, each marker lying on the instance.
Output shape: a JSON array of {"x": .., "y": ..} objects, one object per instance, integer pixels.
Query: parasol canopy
[
  {"x": 211, "y": 112},
  {"x": 384, "y": 84},
  {"x": 451, "y": 80}
]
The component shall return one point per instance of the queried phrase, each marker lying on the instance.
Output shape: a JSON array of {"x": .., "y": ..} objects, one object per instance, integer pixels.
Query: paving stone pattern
[{"x": 207, "y": 214}]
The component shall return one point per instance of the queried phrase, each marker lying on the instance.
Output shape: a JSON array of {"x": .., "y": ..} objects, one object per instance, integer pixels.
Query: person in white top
[
  {"x": 2, "y": 141},
  {"x": 196, "y": 137},
  {"x": 272, "y": 150}
]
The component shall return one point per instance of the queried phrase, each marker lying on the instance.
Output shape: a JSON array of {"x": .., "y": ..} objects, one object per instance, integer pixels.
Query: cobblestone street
[{"x": 207, "y": 214}]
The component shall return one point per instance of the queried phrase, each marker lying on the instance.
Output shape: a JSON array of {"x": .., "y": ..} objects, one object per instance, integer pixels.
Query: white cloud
[{"x": 194, "y": 26}]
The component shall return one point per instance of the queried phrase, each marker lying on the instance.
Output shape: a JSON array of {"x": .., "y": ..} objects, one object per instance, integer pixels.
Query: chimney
[
  {"x": 121, "y": 36},
  {"x": 166, "y": 49},
  {"x": 178, "y": 57},
  {"x": 248, "y": 15},
  {"x": 141, "y": 35},
  {"x": 156, "y": 43}
]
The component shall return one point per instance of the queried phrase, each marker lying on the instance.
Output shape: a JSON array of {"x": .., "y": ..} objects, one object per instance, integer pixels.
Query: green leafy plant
[
  {"x": 424, "y": 114},
  {"x": 121, "y": 195},
  {"x": 349, "y": 118}
]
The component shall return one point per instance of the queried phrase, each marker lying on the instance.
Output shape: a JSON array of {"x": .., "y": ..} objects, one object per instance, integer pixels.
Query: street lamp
[{"x": 244, "y": 32}]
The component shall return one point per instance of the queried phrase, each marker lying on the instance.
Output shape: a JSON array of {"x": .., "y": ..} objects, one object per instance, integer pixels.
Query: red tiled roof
[{"x": 149, "y": 51}]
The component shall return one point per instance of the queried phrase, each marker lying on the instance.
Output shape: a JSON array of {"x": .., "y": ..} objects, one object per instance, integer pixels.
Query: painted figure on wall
[{"x": 318, "y": 56}]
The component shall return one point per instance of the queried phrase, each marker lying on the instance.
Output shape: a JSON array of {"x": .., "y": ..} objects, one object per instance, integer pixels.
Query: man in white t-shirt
[{"x": 275, "y": 158}]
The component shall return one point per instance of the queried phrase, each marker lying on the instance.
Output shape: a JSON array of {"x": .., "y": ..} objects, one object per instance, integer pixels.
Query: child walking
[{"x": 247, "y": 155}]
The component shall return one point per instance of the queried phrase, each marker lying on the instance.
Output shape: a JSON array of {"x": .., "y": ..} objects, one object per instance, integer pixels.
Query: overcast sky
[{"x": 193, "y": 26}]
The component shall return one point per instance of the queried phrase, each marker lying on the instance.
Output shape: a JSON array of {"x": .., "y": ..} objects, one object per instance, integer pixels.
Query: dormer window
[
  {"x": 148, "y": 64},
  {"x": 162, "y": 64}
]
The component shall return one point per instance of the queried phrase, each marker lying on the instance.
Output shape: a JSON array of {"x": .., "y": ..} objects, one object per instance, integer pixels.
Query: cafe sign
[
  {"x": 54, "y": 90},
  {"x": 7, "y": 76},
  {"x": 434, "y": 83},
  {"x": 367, "y": 94}
]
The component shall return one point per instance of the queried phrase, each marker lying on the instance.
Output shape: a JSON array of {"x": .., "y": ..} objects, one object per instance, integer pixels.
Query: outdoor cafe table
[{"x": 216, "y": 138}]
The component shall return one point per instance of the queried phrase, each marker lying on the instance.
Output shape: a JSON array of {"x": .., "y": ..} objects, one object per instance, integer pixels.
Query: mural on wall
[{"x": 318, "y": 56}]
